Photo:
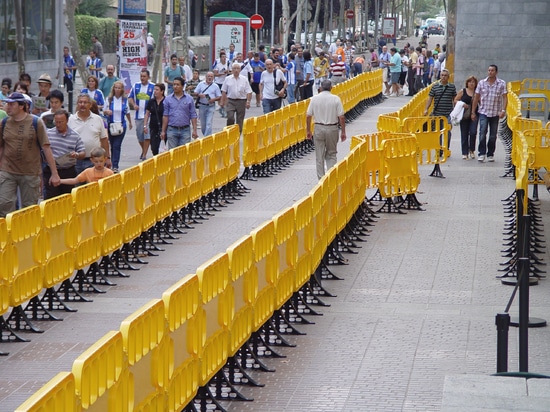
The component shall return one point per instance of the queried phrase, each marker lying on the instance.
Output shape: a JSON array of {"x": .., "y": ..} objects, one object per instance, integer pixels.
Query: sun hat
[{"x": 45, "y": 78}]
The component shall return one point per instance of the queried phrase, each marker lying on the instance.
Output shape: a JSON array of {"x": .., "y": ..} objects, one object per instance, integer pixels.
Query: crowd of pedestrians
[{"x": 174, "y": 109}]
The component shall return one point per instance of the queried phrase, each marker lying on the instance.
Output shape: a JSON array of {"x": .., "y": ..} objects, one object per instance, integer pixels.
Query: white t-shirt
[{"x": 267, "y": 80}]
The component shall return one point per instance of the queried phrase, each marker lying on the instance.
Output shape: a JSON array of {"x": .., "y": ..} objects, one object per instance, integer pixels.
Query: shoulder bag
[{"x": 278, "y": 86}]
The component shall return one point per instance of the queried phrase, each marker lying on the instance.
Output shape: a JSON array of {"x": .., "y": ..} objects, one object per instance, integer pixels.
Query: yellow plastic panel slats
[
  {"x": 213, "y": 276},
  {"x": 182, "y": 175},
  {"x": 116, "y": 208},
  {"x": 250, "y": 142},
  {"x": 196, "y": 170},
  {"x": 208, "y": 164},
  {"x": 183, "y": 386},
  {"x": 399, "y": 167},
  {"x": 234, "y": 139},
  {"x": 98, "y": 368},
  {"x": 135, "y": 198},
  {"x": 431, "y": 134},
  {"x": 151, "y": 187},
  {"x": 56, "y": 395},
  {"x": 143, "y": 330},
  {"x": 90, "y": 215},
  {"x": 166, "y": 184},
  {"x": 303, "y": 211},
  {"x": 181, "y": 301}
]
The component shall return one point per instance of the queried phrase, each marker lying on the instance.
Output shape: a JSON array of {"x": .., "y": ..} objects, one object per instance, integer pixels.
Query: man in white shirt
[
  {"x": 327, "y": 112},
  {"x": 140, "y": 95},
  {"x": 92, "y": 131},
  {"x": 236, "y": 95},
  {"x": 272, "y": 77}
]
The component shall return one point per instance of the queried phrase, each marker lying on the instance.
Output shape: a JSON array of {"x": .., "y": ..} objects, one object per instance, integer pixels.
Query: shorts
[
  {"x": 255, "y": 87},
  {"x": 395, "y": 77},
  {"x": 141, "y": 135}
]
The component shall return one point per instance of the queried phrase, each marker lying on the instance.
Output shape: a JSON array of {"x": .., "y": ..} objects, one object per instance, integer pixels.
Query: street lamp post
[{"x": 272, "y": 21}]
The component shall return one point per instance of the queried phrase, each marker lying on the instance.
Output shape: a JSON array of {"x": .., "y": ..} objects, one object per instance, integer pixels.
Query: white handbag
[{"x": 116, "y": 128}]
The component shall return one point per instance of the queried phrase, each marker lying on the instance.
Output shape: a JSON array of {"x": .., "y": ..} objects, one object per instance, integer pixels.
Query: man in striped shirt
[
  {"x": 442, "y": 94},
  {"x": 491, "y": 99},
  {"x": 337, "y": 70}
]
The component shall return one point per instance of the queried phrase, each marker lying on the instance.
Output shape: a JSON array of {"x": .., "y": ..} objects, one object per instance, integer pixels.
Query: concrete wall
[{"x": 509, "y": 33}]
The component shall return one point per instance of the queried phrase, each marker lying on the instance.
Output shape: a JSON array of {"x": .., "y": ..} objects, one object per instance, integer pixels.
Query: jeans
[
  {"x": 290, "y": 93},
  {"x": 468, "y": 134},
  {"x": 116, "y": 145},
  {"x": 178, "y": 136},
  {"x": 83, "y": 164},
  {"x": 270, "y": 105},
  {"x": 206, "y": 114},
  {"x": 491, "y": 124}
]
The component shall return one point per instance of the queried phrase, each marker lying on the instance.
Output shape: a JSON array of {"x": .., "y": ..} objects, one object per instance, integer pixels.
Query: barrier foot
[
  {"x": 130, "y": 255},
  {"x": 411, "y": 202},
  {"x": 437, "y": 172},
  {"x": 283, "y": 325},
  {"x": 301, "y": 306},
  {"x": 272, "y": 335},
  {"x": 7, "y": 334},
  {"x": 324, "y": 271},
  {"x": 239, "y": 187},
  {"x": 247, "y": 174},
  {"x": 174, "y": 224},
  {"x": 237, "y": 375},
  {"x": 292, "y": 314},
  {"x": 204, "y": 402},
  {"x": 390, "y": 207},
  {"x": 533, "y": 322},
  {"x": 35, "y": 310},
  {"x": 312, "y": 297},
  {"x": 69, "y": 293},
  {"x": 18, "y": 320},
  {"x": 95, "y": 276},
  {"x": 345, "y": 244},
  {"x": 142, "y": 248},
  {"x": 119, "y": 257},
  {"x": 259, "y": 346},
  {"x": 333, "y": 255},
  {"x": 108, "y": 268},
  {"x": 53, "y": 302},
  {"x": 157, "y": 237},
  {"x": 224, "y": 390},
  {"x": 249, "y": 360},
  {"x": 513, "y": 280},
  {"x": 84, "y": 284}
]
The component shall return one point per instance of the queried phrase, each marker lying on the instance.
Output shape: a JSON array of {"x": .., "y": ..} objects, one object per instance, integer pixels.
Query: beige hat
[{"x": 45, "y": 78}]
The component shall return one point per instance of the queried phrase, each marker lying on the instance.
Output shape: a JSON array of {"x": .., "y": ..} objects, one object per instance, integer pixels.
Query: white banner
[{"x": 132, "y": 50}]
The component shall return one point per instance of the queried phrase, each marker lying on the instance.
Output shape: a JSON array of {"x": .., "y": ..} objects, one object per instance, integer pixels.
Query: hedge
[{"x": 104, "y": 28}]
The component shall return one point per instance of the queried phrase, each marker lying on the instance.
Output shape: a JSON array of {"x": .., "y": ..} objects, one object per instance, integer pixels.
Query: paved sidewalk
[{"x": 415, "y": 306}]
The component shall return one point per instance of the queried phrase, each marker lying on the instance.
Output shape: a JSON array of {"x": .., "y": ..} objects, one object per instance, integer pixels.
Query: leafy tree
[{"x": 96, "y": 8}]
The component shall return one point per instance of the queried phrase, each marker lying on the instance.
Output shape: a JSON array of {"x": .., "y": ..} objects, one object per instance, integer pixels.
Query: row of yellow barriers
[
  {"x": 41, "y": 246},
  {"x": 170, "y": 348},
  {"x": 268, "y": 136}
]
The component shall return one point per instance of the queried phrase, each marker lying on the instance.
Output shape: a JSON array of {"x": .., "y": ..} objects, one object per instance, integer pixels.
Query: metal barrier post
[{"x": 502, "y": 321}]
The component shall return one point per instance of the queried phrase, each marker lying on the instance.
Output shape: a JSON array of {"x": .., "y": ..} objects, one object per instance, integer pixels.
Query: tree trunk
[
  {"x": 183, "y": 29},
  {"x": 19, "y": 37},
  {"x": 159, "y": 47},
  {"x": 70, "y": 8},
  {"x": 290, "y": 18},
  {"x": 341, "y": 21},
  {"x": 315, "y": 24},
  {"x": 298, "y": 28},
  {"x": 325, "y": 21}
]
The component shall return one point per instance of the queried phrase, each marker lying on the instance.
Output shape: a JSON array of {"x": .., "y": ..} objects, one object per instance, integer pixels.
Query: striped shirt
[
  {"x": 491, "y": 96},
  {"x": 63, "y": 143},
  {"x": 443, "y": 96},
  {"x": 338, "y": 68}
]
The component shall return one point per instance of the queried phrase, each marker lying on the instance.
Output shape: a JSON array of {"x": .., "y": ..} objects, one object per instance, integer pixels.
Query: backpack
[{"x": 34, "y": 123}]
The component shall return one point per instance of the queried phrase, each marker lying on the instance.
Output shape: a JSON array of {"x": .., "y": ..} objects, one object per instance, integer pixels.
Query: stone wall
[{"x": 509, "y": 33}]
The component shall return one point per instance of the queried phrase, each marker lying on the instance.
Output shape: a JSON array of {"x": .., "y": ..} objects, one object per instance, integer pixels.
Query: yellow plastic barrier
[
  {"x": 286, "y": 243},
  {"x": 539, "y": 145},
  {"x": 150, "y": 186},
  {"x": 56, "y": 395},
  {"x": 399, "y": 167},
  {"x": 217, "y": 300},
  {"x": 28, "y": 254},
  {"x": 116, "y": 208},
  {"x": 221, "y": 158},
  {"x": 250, "y": 142},
  {"x": 244, "y": 281},
  {"x": 7, "y": 255},
  {"x": 61, "y": 238},
  {"x": 150, "y": 353},
  {"x": 432, "y": 137},
  {"x": 272, "y": 133},
  {"x": 196, "y": 170},
  {"x": 182, "y": 301},
  {"x": 135, "y": 198},
  {"x": 182, "y": 176},
  {"x": 166, "y": 179},
  {"x": 303, "y": 212},
  {"x": 97, "y": 370},
  {"x": 234, "y": 143},
  {"x": 266, "y": 260},
  {"x": 319, "y": 198},
  {"x": 208, "y": 164}
]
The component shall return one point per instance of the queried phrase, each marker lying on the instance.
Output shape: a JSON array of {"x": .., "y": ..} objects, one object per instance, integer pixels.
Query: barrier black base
[
  {"x": 18, "y": 320},
  {"x": 83, "y": 284},
  {"x": 437, "y": 172},
  {"x": 69, "y": 293},
  {"x": 237, "y": 375},
  {"x": 52, "y": 301},
  {"x": 204, "y": 402},
  {"x": 7, "y": 334},
  {"x": 35, "y": 310},
  {"x": 533, "y": 322},
  {"x": 223, "y": 389},
  {"x": 249, "y": 360}
]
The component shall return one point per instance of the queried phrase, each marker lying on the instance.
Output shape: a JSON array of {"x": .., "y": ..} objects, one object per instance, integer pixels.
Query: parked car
[{"x": 434, "y": 28}]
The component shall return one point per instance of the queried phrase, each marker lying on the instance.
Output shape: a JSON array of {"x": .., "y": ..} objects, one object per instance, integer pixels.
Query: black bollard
[{"x": 502, "y": 320}]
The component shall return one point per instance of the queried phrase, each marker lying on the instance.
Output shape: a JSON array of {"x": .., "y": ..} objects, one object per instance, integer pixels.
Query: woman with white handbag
[{"x": 118, "y": 118}]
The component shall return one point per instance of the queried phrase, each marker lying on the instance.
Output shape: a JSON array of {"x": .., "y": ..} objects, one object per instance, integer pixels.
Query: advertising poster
[
  {"x": 132, "y": 50},
  {"x": 132, "y": 7},
  {"x": 226, "y": 31}
]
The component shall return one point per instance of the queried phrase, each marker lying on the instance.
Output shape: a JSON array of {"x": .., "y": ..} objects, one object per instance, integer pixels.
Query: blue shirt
[
  {"x": 308, "y": 68},
  {"x": 179, "y": 111},
  {"x": 68, "y": 61},
  {"x": 141, "y": 94},
  {"x": 257, "y": 67},
  {"x": 97, "y": 95}
]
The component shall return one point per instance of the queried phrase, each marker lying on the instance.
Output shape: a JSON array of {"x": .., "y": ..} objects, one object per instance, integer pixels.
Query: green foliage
[
  {"x": 96, "y": 8},
  {"x": 104, "y": 28}
]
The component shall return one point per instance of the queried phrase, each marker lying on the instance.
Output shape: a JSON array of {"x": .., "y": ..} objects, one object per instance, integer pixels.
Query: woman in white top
[{"x": 118, "y": 115}]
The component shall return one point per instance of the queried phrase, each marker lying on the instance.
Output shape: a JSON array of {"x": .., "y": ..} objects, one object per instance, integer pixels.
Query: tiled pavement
[{"x": 415, "y": 308}]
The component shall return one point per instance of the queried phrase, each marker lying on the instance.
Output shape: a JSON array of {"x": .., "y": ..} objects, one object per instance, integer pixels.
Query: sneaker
[
  {"x": 472, "y": 155},
  {"x": 465, "y": 157},
  {"x": 115, "y": 170},
  {"x": 481, "y": 158},
  {"x": 490, "y": 159}
]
